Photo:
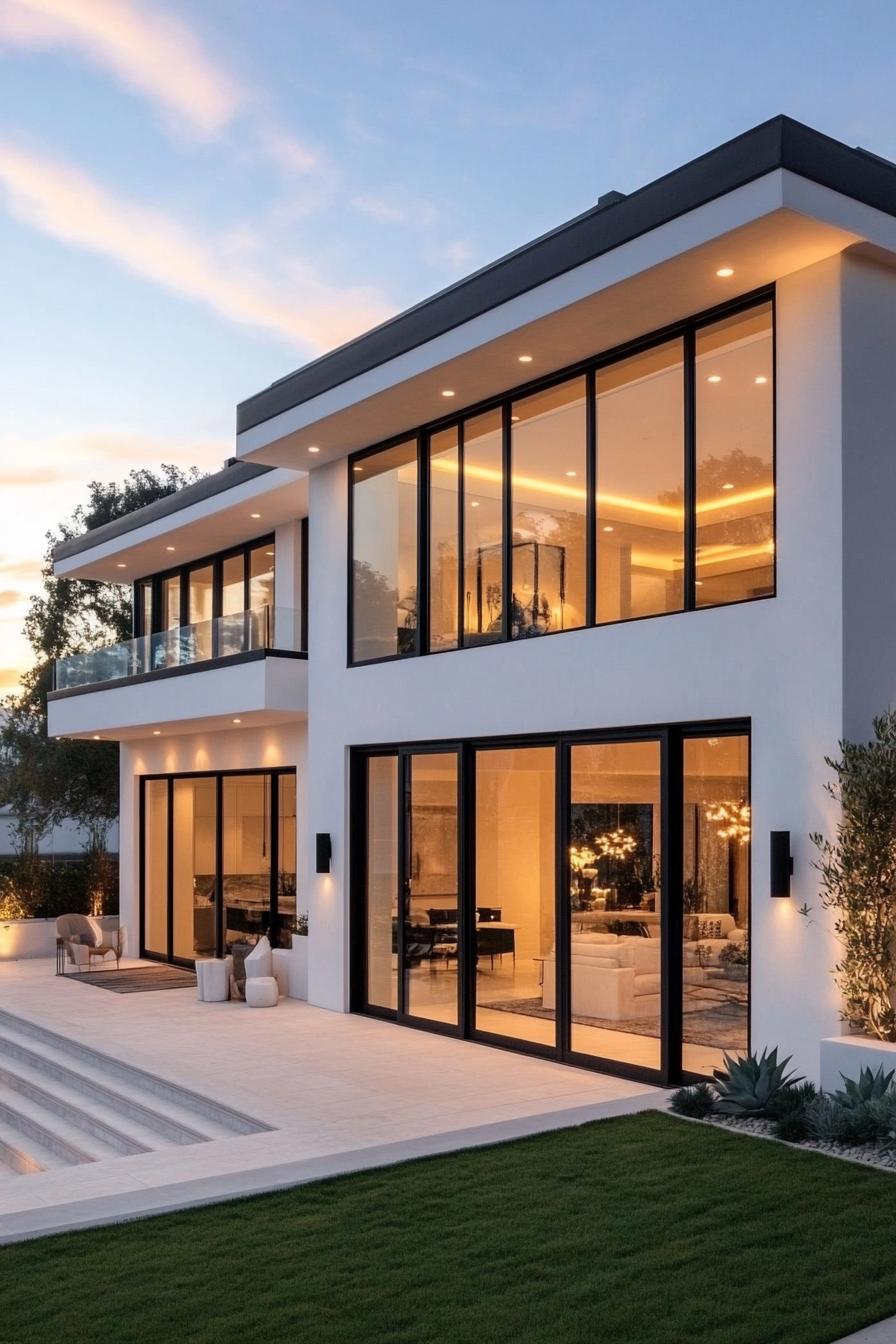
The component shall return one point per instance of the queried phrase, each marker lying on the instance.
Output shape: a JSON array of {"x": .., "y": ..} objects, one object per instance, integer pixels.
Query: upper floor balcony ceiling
[{"x": 773, "y": 201}]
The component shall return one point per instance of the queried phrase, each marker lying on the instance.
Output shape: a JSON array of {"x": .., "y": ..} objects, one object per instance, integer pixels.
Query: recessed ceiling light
[
  {"x": 447, "y": 392},
  {"x": 121, "y": 565},
  {"x": 608, "y": 529},
  {"x": 96, "y": 737},
  {"x": 254, "y": 515},
  {"x": 269, "y": 552},
  {"x": 475, "y": 504},
  {"x": 157, "y": 732},
  {"x": 760, "y": 380},
  {"x": 525, "y": 359},
  {"x": 714, "y": 378},
  {"x": 513, "y": 419},
  {"x": 724, "y": 271},
  {"x": 169, "y": 548},
  {"x": 357, "y": 468},
  {"x": 236, "y": 720},
  {"x": 571, "y": 473},
  {"x": 727, "y": 486},
  {"x": 313, "y": 449},
  {"x": 698, "y": 583}
]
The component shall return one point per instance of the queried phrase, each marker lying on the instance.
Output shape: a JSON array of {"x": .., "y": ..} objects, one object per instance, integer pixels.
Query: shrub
[
  {"x": 870, "y": 1087},
  {"x": 748, "y": 1085},
  {"x": 831, "y": 1122},
  {"x": 697, "y": 1102},
  {"x": 791, "y": 1100},
  {"x": 792, "y": 1126}
]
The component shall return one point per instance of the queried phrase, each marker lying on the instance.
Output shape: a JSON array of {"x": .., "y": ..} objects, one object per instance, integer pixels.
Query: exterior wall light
[
  {"x": 781, "y": 866},
  {"x": 323, "y": 847}
]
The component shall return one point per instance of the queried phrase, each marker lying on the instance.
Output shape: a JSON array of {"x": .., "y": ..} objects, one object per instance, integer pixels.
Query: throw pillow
[{"x": 710, "y": 928}]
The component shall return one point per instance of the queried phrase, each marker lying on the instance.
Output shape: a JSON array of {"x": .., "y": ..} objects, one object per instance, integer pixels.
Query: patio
[{"x": 340, "y": 1093}]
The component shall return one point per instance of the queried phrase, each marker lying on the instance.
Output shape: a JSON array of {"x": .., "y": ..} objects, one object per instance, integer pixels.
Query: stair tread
[
  {"x": 68, "y": 1145},
  {"x": 93, "y": 1111}
]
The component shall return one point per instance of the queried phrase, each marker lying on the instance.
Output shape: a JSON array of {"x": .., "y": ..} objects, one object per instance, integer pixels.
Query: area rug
[
  {"x": 721, "y": 1025},
  {"x": 137, "y": 981}
]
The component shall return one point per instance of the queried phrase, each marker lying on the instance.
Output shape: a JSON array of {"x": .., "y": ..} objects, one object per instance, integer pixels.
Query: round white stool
[{"x": 262, "y": 991}]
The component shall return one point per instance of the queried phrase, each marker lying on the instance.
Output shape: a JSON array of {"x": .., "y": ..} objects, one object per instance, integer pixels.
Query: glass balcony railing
[{"x": 222, "y": 637}]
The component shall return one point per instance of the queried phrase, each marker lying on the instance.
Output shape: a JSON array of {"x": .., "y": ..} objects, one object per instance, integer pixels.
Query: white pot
[{"x": 298, "y": 967}]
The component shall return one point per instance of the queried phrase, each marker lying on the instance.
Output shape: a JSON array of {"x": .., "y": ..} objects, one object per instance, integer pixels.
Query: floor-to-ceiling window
[
  {"x": 209, "y": 879},
  {"x": 586, "y": 896},
  {"x": 384, "y": 553}
]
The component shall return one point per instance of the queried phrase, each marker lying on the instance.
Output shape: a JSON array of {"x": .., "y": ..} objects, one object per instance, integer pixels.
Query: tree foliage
[
  {"x": 46, "y": 781},
  {"x": 858, "y": 878}
]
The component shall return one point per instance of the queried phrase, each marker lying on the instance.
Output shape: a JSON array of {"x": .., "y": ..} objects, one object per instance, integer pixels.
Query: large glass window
[
  {"x": 654, "y": 495},
  {"x": 735, "y": 472},
  {"x": 640, "y": 485},
  {"x": 548, "y": 509},
  {"x": 384, "y": 553},
  {"x": 432, "y": 915},
  {"x": 716, "y": 900},
  {"x": 200, "y": 609},
  {"x": 615, "y": 906},
  {"x": 381, "y": 888},
  {"x": 483, "y": 601},
  {"x": 444, "y": 548},
  {"x": 515, "y": 882},
  {"x": 214, "y": 909}
]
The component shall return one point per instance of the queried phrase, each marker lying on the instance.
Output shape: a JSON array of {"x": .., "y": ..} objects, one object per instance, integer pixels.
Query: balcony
[{"x": 246, "y": 665}]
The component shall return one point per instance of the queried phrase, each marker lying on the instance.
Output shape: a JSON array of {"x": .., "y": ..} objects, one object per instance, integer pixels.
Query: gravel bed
[{"x": 869, "y": 1154}]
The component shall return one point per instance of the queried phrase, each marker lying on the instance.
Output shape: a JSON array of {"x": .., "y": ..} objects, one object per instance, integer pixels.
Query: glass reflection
[
  {"x": 615, "y": 901},
  {"x": 431, "y": 930},
  {"x": 483, "y": 602},
  {"x": 246, "y": 855},
  {"x": 194, "y": 826},
  {"x": 155, "y": 867},
  {"x": 384, "y": 553},
  {"x": 548, "y": 489},
  {"x": 286, "y": 861},
  {"x": 716, "y": 900},
  {"x": 735, "y": 480},
  {"x": 381, "y": 893},
  {"x": 443, "y": 540},
  {"x": 640, "y": 485}
]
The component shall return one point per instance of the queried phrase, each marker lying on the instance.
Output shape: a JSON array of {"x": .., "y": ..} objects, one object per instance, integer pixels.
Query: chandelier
[
  {"x": 735, "y": 818},
  {"x": 616, "y": 844}
]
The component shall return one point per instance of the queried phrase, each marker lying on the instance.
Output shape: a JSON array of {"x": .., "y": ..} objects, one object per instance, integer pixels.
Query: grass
[{"x": 638, "y": 1230}]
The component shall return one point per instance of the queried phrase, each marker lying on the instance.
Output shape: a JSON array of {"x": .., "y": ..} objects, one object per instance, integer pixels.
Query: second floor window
[{"x": 641, "y": 486}]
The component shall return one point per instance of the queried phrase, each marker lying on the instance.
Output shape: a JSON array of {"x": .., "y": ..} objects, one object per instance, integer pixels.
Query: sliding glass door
[
  {"x": 209, "y": 879},
  {"x": 584, "y": 897}
]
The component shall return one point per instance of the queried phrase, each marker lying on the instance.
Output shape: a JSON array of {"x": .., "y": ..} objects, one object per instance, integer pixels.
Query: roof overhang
[
  {"x": 635, "y": 277},
  {"x": 218, "y": 512}
]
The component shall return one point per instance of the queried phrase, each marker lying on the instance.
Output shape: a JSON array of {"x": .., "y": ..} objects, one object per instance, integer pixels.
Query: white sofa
[{"x": 617, "y": 977}]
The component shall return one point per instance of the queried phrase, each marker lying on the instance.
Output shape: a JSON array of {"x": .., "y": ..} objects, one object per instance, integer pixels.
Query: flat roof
[
  {"x": 778, "y": 143},
  {"x": 235, "y": 473}
]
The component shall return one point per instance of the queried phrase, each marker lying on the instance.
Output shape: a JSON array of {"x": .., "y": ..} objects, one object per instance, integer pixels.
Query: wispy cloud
[
  {"x": 72, "y": 206},
  {"x": 147, "y": 49}
]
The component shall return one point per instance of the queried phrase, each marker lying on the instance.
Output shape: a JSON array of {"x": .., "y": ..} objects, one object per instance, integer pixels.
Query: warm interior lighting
[
  {"x": 169, "y": 548},
  {"x": 96, "y": 737},
  {"x": 314, "y": 449},
  {"x": 525, "y": 359},
  {"x": 727, "y": 486},
  {"x": 475, "y": 504},
  {"x": 760, "y": 380},
  {"x": 357, "y": 468},
  {"x": 121, "y": 565},
  {"x": 607, "y": 529},
  {"x": 724, "y": 271},
  {"x": 714, "y": 378},
  {"x": 572, "y": 473},
  {"x": 514, "y": 419}
]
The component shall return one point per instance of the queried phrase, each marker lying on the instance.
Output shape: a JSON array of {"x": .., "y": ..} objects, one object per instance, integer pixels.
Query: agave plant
[
  {"x": 871, "y": 1086},
  {"x": 746, "y": 1085}
]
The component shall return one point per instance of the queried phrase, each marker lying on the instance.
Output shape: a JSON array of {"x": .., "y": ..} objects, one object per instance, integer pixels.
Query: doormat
[{"x": 137, "y": 981}]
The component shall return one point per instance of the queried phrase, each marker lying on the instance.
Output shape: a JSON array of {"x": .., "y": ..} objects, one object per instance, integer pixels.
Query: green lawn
[{"x": 640, "y": 1230}]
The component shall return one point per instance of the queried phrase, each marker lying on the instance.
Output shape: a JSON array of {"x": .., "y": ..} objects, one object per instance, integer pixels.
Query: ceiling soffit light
[
  {"x": 724, "y": 272},
  {"x": 524, "y": 359},
  {"x": 314, "y": 449},
  {"x": 447, "y": 392},
  {"x": 714, "y": 378}
]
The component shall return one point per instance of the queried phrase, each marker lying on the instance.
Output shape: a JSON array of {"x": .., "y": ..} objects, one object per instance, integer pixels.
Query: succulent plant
[
  {"x": 747, "y": 1085},
  {"x": 791, "y": 1100},
  {"x": 871, "y": 1086},
  {"x": 792, "y": 1126},
  {"x": 697, "y": 1102}
]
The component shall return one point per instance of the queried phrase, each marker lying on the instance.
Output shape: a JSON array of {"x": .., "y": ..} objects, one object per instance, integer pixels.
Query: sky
[{"x": 198, "y": 196}]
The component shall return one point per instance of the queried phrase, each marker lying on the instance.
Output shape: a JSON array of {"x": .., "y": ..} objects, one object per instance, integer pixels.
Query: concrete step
[
  {"x": 152, "y": 1126},
  {"x": 49, "y": 1146},
  {"x": 204, "y": 1118},
  {"x": 67, "y": 1105},
  {"x": 16, "y": 1159}
]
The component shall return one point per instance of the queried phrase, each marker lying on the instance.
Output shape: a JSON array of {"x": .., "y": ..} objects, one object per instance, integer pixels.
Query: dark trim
[
  {"x": 685, "y": 332},
  {"x": 778, "y": 143},
  {"x": 669, "y": 740},
  {"x": 237, "y": 473},
  {"x": 179, "y": 670}
]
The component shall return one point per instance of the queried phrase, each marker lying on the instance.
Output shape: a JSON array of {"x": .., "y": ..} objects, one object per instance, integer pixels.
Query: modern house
[{"x": 643, "y": 468}]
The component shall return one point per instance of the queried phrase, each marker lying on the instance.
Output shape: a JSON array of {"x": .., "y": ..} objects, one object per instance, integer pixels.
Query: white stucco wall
[{"x": 776, "y": 662}]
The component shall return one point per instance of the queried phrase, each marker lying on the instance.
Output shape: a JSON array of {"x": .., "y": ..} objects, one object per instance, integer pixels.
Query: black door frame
[
  {"x": 671, "y": 738},
  {"x": 275, "y": 773}
]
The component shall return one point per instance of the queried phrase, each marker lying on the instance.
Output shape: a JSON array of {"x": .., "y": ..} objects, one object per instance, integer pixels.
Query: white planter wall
[{"x": 21, "y": 938}]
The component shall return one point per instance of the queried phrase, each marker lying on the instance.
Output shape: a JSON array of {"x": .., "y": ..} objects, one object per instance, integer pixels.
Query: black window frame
[
  {"x": 218, "y": 776},
  {"x": 686, "y": 331}
]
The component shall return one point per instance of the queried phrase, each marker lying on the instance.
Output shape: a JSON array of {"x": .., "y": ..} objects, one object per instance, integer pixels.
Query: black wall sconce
[
  {"x": 781, "y": 864},
  {"x": 323, "y": 851}
]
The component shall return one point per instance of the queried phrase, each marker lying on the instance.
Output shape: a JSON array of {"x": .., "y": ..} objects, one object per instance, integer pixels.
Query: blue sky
[{"x": 197, "y": 196}]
